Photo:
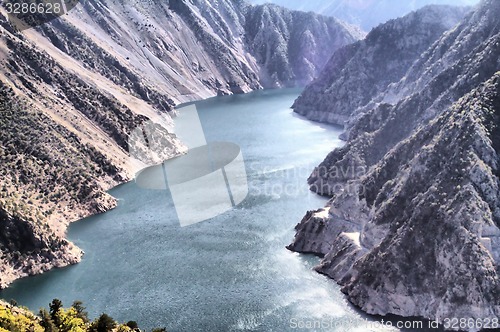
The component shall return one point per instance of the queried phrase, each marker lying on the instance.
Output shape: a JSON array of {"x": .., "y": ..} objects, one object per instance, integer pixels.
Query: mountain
[
  {"x": 413, "y": 224},
  {"x": 74, "y": 90},
  {"x": 196, "y": 48},
  {"x": 380, "y": 59},
  {"x": 287, "y": 44},
  {"x": 367, "y": 13}
]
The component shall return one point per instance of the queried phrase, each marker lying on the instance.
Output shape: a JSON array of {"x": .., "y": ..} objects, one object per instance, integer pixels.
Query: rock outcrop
[{"x": 413, "y": 224}]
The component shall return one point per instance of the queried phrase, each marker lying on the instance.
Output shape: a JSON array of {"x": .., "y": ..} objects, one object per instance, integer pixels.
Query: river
[{"x": 231, "y": 272}]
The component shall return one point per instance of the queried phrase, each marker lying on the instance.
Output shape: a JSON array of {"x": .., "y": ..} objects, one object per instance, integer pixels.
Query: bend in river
[{"x": 231, "y": 272}]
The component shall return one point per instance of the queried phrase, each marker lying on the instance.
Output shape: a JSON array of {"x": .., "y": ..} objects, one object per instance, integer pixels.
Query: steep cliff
[
  {"x": 413, "y": 224},
  {"x": 374, "y": 130},
  {"x": 359, "y": 72},
  {"x": 292, "y": 46},
  {"x": 194, "y": 49},
  {"x": 405, "y": 245}
]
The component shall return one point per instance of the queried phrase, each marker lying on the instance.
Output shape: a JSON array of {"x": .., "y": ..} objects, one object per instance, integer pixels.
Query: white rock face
[{"x": 427, "y": 207}]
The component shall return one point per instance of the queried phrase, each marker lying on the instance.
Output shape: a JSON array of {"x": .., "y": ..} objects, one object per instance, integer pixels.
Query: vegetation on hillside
[
  {"x": 46, "y": 170},
  {"x": 59, "y": 319},
  {"x": 64, "y": 142}
]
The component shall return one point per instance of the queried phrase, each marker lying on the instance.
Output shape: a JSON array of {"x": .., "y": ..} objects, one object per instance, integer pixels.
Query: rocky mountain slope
[
  {"x": 382, "y": 58},
  {"x": 286, "y": 43},
  {"x": 413, "y": 247},
  {"x": 414, "y": 231},
  {"x": 193, "y": 49},
  {"x": 64, "y": 143},
  {"x": 377, "y": 127},
  {"x": 366, "y": 14},
  {"x": 72, "y": 91}
]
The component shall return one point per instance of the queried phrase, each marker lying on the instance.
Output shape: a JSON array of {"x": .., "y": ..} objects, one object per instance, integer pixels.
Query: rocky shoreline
[{"x": 417, "y": 233}]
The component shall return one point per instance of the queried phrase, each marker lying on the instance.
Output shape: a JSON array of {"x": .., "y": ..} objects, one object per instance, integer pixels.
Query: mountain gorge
[
  {"x": 73, "y": 90},
  {"x": 413, "y": 224},
  {"x": 366, "y": 14},
  {"x": 286, "y": 43},
  {"x": 380, "y": 59},
  {"x": 414, "y": 231}
]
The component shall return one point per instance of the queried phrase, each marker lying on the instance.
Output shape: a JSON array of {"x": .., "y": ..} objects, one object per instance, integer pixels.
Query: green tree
[
  {"x": 81, "y": 311},
  {"x": 18, "y": 321},
  {"x": 55, "y": 306},
  {"x": 46, "y": 321},
  {"x": 159, "y": 329},
  {"x": 103, "y": 324},
  {"x": 70, "y": 322}
]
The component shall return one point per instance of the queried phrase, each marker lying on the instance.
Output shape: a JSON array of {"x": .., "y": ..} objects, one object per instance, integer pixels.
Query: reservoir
[{"x": 229, "y": 273}]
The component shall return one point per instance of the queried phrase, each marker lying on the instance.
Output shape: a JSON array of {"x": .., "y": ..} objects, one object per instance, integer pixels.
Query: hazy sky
[{"x": 365, "y": 13}]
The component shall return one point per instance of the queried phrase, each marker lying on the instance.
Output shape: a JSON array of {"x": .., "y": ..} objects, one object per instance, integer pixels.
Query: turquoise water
[{"x": 229, "y": 273}]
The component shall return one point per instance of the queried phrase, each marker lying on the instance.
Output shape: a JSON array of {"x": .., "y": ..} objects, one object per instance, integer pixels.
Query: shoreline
[{"x": 76, "y": 254}]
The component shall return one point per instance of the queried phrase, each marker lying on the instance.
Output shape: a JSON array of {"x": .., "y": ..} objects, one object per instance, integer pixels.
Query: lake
[{"x": 229, "y": 273}]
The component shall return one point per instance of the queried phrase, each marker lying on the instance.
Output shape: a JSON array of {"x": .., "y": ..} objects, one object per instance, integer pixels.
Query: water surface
[{"x": 228, "y": 273}]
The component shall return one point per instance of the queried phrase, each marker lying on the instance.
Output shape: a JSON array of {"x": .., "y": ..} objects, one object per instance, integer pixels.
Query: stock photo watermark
[
  {"x": 349, "y": 324},
  {"x": 25, "y": 14},
  {"x": 290, "y": 181},
  {"x": 209, "y": 180},
  {"x": 213, "y": 177}
]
